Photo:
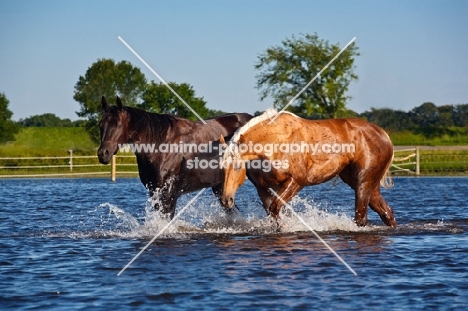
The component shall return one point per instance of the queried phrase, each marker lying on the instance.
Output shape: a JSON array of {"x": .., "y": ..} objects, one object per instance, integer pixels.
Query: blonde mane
[
  {"x": 231, "y": 150},
  {"x": 269, "y": 114}
]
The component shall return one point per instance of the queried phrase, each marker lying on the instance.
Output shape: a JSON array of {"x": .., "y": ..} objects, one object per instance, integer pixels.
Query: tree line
[
  {"x": 49, "y": 120},
  {"x": 426, "y": 117}
]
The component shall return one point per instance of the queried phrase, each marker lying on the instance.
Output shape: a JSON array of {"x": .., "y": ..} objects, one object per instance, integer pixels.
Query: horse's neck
[
  {"x": 148, "y": 128},
  {"x": 247, "y": 154}
]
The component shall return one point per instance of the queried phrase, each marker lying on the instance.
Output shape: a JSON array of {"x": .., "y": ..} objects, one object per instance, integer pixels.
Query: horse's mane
[
  {"x": 269, "y": 114},
  {"x": 231, "y": 150},
  {"x": 155, "y": 124}
]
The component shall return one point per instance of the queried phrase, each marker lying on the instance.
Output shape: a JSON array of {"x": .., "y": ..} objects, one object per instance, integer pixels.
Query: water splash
[
  {"x": 316, "y": 217},
  {"x": 206, "y": 216},
  {"x": 126, "y": 218}
]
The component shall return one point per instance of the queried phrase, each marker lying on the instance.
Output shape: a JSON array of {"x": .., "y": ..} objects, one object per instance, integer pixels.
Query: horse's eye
[{"x": 119, "y": 125}]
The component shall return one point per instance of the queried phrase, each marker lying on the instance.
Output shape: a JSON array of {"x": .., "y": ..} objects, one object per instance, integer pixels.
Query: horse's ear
[
  {"x": 104, "y": 104},
  {"x": 119, "y": 103},
  {"x": 221, "y": 140}
]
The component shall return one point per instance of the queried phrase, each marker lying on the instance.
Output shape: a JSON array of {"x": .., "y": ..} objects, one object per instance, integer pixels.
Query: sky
[{"x": 411, "y": 51}]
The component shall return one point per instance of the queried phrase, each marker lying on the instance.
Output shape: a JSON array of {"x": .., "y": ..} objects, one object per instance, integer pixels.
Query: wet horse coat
[
  {"x": 166, "y": 173},
  {"x": 363, "y": 168}
]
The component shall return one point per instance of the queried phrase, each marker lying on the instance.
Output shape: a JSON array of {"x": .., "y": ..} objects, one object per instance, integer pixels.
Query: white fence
[
  {"x": 125, "y": 165},
  {"x": 406, "y": 160},
  {"x": 66, "y": 166}
]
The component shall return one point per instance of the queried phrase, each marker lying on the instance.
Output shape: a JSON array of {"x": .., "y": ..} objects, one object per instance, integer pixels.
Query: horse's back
[
  {"x": 370, "y": 142},
  {"x": 366, "y": 136},
  {"x": 232, "y": 119},
  {"x": 230, "y": 122},
  {"x": 351, "y": 129}
]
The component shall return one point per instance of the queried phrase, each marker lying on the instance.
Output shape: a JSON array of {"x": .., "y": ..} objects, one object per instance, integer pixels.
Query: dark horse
[
  {"x": 304, "y": 152},
  {"x": 167, "y": 173}
]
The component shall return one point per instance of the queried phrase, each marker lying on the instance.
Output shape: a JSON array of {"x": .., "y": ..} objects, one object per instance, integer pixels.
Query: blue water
[{"x": 64, "y": 241}]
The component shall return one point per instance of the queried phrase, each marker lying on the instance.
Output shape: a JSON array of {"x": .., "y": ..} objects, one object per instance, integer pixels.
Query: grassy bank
[
  {"x": 407, "y": 138},
  {"x": 444, "y": 162},
  {"x": 45, "y": 141},
  {"x": 445, "y": 159},
  {"x": 437, "y": 161},
  {"x": 54, "y": 143}
]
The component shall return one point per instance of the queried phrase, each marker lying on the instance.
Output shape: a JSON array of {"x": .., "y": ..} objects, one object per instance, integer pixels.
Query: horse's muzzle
[
  {"x": 104, "y": 155},
  {"x": 227, "y": 202}
]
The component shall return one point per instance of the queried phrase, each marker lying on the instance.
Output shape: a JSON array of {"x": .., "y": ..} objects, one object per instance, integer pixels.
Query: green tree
[
  {"x": 159, "y": 99},
  {"x": 460, "y": 117},
  {"x": 45, "y": 120},
  {"x": 389, "y": 119},
  {"x": 8, "y": 128},
  {"x": 445, "y": 116},
  {"x": 286, "y": 69},
  {"x": 425, "y": 115},
  {"x": 109, "y": 79}
]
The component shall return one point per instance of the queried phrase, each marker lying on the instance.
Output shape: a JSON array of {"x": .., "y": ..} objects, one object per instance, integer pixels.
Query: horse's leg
[
  {"x": 167, "y": 198},
  {"x": 362, "y": 197},
  {"x": 217, "y": 190},
  {"x": 155, "y": 202},
  {"x": 367, "y": 192},
  {"x": 288, "y": 190},
  {"x": 362, "y": 192},
  {"x": 380, "y": 206},
  {"x": 266, "y": 196},
  {"x": 172, "y": 190},
  {"x": 163, "y": 199},
  {"x": 168, "y": 202}
]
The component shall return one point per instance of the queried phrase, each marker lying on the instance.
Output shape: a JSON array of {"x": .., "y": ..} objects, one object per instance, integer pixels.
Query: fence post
[
  {"x": 71, "y": 160},
  {"x": 417, "y": 161},
  {"x": 113, "y": 168}
]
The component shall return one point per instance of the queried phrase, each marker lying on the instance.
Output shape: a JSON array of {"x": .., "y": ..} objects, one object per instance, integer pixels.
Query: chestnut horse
[
  {"x": 301, "y": 152},
  {"x": 166, "y": 173}
]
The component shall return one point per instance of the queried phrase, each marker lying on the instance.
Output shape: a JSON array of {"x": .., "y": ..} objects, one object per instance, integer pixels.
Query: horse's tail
[{"x": 387, "y": 181}]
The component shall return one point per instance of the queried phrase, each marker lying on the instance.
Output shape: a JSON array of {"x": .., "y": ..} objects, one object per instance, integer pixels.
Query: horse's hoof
[
  {"x": 280, "y": 228},
  {"x": 361, "y": 222},
  {"x": 391, "y": 223}
]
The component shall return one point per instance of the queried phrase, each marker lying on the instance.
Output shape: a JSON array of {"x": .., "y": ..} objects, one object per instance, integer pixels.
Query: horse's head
[
  {"x": 234, "y": 173},
  {"x": 114, "y": 130}
]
